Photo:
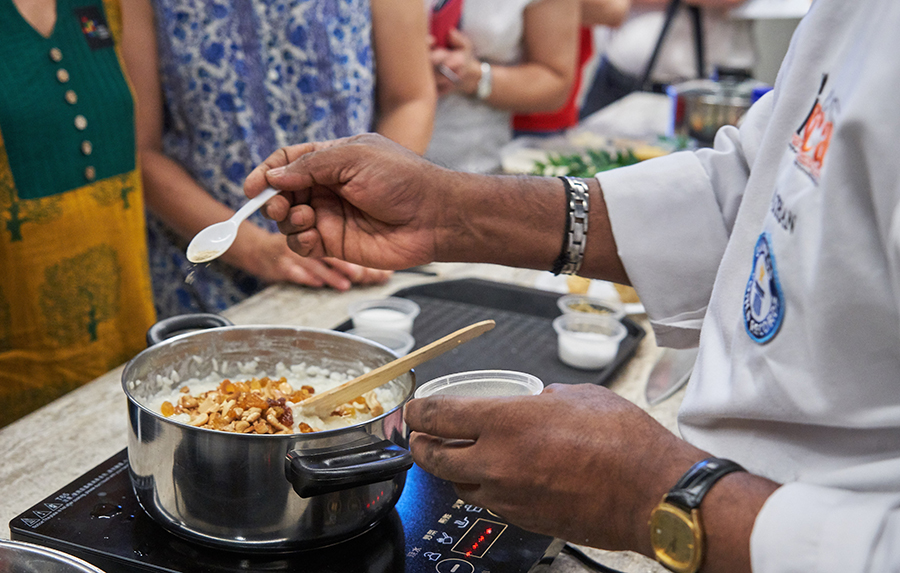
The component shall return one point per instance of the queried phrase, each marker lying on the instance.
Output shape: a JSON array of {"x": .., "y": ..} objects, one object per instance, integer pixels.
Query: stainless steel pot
[
  {"x": 253, "y": 492},
  {"x": 18, "y": 557},
  {"x": 701, "y": 107}
]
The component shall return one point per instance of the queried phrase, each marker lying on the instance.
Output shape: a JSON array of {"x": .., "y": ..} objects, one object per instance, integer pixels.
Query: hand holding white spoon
[{"x": 213, "y": 241}]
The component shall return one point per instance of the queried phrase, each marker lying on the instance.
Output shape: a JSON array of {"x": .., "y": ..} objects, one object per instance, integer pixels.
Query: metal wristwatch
[{"x": 676, "y": 532}]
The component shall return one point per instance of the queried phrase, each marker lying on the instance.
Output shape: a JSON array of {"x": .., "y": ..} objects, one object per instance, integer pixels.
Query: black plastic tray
[{"x": 523, "y": 340}]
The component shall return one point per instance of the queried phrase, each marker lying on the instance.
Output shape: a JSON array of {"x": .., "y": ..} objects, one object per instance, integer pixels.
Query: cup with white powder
[{"x": 391, "y": 313}]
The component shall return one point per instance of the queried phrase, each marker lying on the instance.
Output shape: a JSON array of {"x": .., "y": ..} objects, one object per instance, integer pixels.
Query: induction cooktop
[{"x": 98, "y": 518}]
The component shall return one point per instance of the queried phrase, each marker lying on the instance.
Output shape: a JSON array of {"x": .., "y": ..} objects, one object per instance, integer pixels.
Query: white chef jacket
[{"x": 783, "y": 244}]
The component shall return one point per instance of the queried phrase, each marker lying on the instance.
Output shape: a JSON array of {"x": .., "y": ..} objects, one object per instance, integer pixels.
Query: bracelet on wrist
[
  {"x": 577, "y": 208},
  {"x": 486, "y": 83}
]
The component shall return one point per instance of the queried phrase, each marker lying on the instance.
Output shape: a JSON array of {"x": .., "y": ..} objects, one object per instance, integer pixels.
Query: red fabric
[{"x": 566, "y": 116}]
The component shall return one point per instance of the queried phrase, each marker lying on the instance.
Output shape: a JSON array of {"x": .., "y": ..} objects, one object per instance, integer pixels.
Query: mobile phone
[{"x": 445, "y": 16}]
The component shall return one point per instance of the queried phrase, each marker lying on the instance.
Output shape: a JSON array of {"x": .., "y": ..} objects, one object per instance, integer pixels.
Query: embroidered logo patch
[
  {"x": 94, "y": 27},
  {"x": 763, "y": 299}
]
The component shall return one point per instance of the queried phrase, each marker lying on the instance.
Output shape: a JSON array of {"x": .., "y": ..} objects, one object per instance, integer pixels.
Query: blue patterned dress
[{"x": 240, "y": 79}]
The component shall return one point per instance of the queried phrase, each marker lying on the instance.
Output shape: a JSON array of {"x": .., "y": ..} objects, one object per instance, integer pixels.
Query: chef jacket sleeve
[
  {"x": 830, "y": 531},
  {"x": 672, "y": 217}
]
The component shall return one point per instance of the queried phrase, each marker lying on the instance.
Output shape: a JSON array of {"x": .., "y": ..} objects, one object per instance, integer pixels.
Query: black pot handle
[
  {"x": 169, "y": 327},
  {"x": 317, "y": 473}
]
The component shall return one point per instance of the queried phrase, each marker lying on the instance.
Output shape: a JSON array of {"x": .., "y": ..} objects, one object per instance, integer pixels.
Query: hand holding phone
[{"x": 445, "y": 16}]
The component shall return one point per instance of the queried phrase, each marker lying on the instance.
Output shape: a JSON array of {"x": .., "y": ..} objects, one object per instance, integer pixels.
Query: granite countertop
[{"x": 58, "y": 443}]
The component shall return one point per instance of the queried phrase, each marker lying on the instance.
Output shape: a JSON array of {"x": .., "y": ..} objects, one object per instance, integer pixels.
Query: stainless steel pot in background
[
  {"x": 18, "y": 557},
  {"x": 701, "y": 107},
  {"x": 243, "y": 491}
]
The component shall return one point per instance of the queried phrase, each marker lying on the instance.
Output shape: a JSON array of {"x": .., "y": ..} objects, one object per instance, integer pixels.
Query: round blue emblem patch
[{"x": 763, "y": 299}]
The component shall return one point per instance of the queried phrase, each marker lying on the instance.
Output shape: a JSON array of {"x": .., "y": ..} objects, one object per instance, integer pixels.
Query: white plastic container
[
  {"x": 588, "y": 341},
  {"x": 482, "y": 384},
  {"x": 399, "y": 341},
  {"x": 392, "y": 313}
]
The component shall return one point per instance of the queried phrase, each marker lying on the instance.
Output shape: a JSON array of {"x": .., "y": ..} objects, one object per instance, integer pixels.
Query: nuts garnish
[{"x": 259, "y": 405}]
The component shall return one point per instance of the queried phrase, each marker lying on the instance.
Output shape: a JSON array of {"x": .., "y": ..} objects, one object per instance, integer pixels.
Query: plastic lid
[
  {"x": 396, "y": 303},
  {"x": 399, "y": 341},
  {"x": 482, "y": 384}
]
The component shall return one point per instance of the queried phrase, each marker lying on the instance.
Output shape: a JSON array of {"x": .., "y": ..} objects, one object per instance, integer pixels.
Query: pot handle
[
  {"x": 329, "y": 471},
  {"x": 169, "y": 327}
]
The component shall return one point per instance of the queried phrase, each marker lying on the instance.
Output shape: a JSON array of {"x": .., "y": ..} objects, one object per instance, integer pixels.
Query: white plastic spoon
[{"x": 214, "y": 240}]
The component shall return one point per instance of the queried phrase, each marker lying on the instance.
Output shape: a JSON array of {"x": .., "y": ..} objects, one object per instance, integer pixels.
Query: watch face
[{"x": 675, "y": 538}]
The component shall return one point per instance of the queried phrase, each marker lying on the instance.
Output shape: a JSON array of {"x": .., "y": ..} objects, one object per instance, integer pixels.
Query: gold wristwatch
[{"x": 676, "y": 532}]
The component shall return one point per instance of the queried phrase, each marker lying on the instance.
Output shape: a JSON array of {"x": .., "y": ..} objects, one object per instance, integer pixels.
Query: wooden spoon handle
[{"x": 328, "y": 400}]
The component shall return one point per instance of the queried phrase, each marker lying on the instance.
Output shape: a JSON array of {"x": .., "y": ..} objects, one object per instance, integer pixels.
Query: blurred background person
[
  {"x": 75, "y": 298},
  {"x": 241, "y": 79},
  {"x": 508, "y": 56},
  {"x": 594, "y": 13},
  {"x": 726, "y": 43}
]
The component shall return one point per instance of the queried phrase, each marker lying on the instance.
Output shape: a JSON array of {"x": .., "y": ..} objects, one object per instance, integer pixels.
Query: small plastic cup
[
  {"x": 482, "y": 384},
  {"x": 392, "y": 313},
  {"x": 580, "y": 303},
  {"x": 588, "y": 341},
  {"x": 399, "y": 341}
]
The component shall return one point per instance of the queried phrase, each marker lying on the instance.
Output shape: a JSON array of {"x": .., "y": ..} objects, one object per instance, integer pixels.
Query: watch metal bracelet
[{"x": 576, "y": 233}]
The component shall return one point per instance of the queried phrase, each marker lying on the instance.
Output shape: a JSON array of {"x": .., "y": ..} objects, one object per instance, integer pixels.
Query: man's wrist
[
  {"x": 677, "y": 532},
  {"x": 458, "y": 220},
  {"x": 577, "y": 225},
  {"x": 505, "y": 220},
  {"x": 728, "y": 511},
  {"x": 601, "y": 258}
]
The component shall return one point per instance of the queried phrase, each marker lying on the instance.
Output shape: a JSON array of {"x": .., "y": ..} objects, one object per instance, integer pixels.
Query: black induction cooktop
[{"x": 97, "y": 518}]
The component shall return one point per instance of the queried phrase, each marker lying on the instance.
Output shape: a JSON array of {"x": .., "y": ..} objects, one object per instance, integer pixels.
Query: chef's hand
[
  {"x": 579, "y": 463},
  {"x": 266, "y": 256},
  {"x": 576, "y": 462},
  {"x": 363, "y": 199}
]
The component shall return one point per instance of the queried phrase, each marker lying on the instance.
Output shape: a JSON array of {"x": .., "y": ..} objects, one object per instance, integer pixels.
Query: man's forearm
[
  {"x": 507, "y": 220},
  {"x": 521, "y": 221}
]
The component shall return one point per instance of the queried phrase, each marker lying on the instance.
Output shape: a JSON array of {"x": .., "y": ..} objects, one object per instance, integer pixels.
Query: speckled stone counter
[{"x": 56, "y": 444}]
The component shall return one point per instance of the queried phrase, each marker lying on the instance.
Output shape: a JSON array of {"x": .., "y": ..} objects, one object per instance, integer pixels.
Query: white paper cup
[
  {"x": 588, "y": 341},
  {"x": 392, "y": 313},
  {"x": 482, "y": 384}
]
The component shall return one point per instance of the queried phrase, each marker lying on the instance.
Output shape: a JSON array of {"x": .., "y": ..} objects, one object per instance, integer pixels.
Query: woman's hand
[
  {"x": 459, "y": 58},
  {"x": 267, "y": 256}
]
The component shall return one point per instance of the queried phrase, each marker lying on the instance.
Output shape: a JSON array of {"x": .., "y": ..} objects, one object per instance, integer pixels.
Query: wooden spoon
[{"x": 328, "y": 400}]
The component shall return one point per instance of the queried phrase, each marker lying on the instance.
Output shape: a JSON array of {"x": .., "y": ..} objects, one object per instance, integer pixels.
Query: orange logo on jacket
[{"x": 810, "y": 142}]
